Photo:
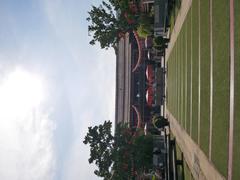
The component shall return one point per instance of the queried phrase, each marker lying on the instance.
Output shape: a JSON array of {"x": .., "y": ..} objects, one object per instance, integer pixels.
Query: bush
[
  {"x": 145, "y": 27},
  {"x": 158, "y": 41},
  {"x": 172, "y": 23},
  {"x": 143, "y": 151},
  {"x": 144, "y": 31},
  {"x": 146, "y": 19}
]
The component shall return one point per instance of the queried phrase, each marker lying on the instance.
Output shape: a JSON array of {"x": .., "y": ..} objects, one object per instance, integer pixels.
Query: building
[{"x": 136, "y": 82}]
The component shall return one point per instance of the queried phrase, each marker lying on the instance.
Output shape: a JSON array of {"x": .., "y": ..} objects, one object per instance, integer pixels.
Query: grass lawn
[
  {"x": 178, "y": 79},
  {"x": 205, "y": 76},
  {"x": 236, "y": 157},
  {"x": 175, "y": 79},
  {"x": 181, "y": 77},
  {"x": 186, "y": 170},
  {"x": 185, "y": 59},
  {"x": 188, "y": 20},
  {"x": 220, "y": 84},
  {"x": 168, "y": 87},
  {"x": 171, "y": 75},
  {"x": 171, "y": 84},
  {"x": 185, "y": 75},
  {"x": 195, "y": 59}
]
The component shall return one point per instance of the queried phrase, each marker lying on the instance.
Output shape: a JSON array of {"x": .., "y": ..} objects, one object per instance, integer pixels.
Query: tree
[
  {"x": 123, "y": 152},
  {"x": 143, "y": 148},
  {"x": 145, "y": 27},
  {"x": 101, "y": 147},
  {"x": 120, "y": 156},
  {"x": 110, "y": 21}
]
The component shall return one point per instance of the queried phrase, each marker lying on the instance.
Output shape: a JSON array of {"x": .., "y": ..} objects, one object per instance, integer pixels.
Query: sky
[{"x": 53, "y": 85}]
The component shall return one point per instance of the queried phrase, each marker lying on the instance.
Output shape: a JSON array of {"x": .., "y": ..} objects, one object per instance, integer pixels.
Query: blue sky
[{"x": 48, "y": 39}]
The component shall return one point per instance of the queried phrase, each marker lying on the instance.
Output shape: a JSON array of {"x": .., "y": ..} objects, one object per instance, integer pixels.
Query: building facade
[{"x": 137, "y": 84}]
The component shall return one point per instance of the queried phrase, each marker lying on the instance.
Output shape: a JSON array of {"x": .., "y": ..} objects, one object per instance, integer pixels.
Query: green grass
[
  {"x": 178, "y": 80},
  {"x": 167, "y": 87},
  {"x": 179, "y": 73},
  {"x": 173, "y": 14},
  {"x": 195, "y": 71},
  {"x": 188, "y": 70},
  {"x": 180, "y": 76},
  {"x": 205, "y": 76},
  {"x": 172, "y": 23},
  {"x": 172, "y": 74},
  {"x": 220, "y": 84},
  {"x": 170, "y": 87},
  {"x": 184, "y": 75},
  {"x": 179, "y": 157},
  {"x": 173, "y": 94},
  {"x": 236, "y": 157},
  {"x": 187, "y": 172}
]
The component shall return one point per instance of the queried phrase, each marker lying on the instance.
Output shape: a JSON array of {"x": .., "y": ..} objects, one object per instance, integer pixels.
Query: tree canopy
[
  {"x": 110, "y": 20},
  {"x": 100, "y": 140},
  {"x": 121, "y": 156}
]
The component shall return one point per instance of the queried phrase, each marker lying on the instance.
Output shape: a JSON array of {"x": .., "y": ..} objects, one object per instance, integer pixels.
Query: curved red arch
[
  {"x": 138, "y": 116},
  {"x": 139, "y": 51}
]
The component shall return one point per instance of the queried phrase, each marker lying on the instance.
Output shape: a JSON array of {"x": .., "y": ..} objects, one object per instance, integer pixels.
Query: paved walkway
[{"x": 197, "y": 161}]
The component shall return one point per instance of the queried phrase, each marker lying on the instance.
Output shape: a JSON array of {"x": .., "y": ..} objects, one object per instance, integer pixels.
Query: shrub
[
  {"x": 158, "y": 41},
  {"x": 144, "y": 31},
  {"x": 145, "y": 27}
]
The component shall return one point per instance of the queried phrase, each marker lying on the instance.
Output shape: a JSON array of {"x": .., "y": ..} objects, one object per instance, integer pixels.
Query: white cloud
[
  {"x": 26, "y": 146},
  {"x": 91, "y": 102},
  {"x": 76, "y": 166}
]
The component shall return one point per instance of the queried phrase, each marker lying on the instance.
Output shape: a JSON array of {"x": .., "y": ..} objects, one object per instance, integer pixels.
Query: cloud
[
  {"x": 91, "y": 102},
  {"x": 26, "y": 140},
  {"x": 89, "y": 82},
  {"x": 77, "y": 167}
]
